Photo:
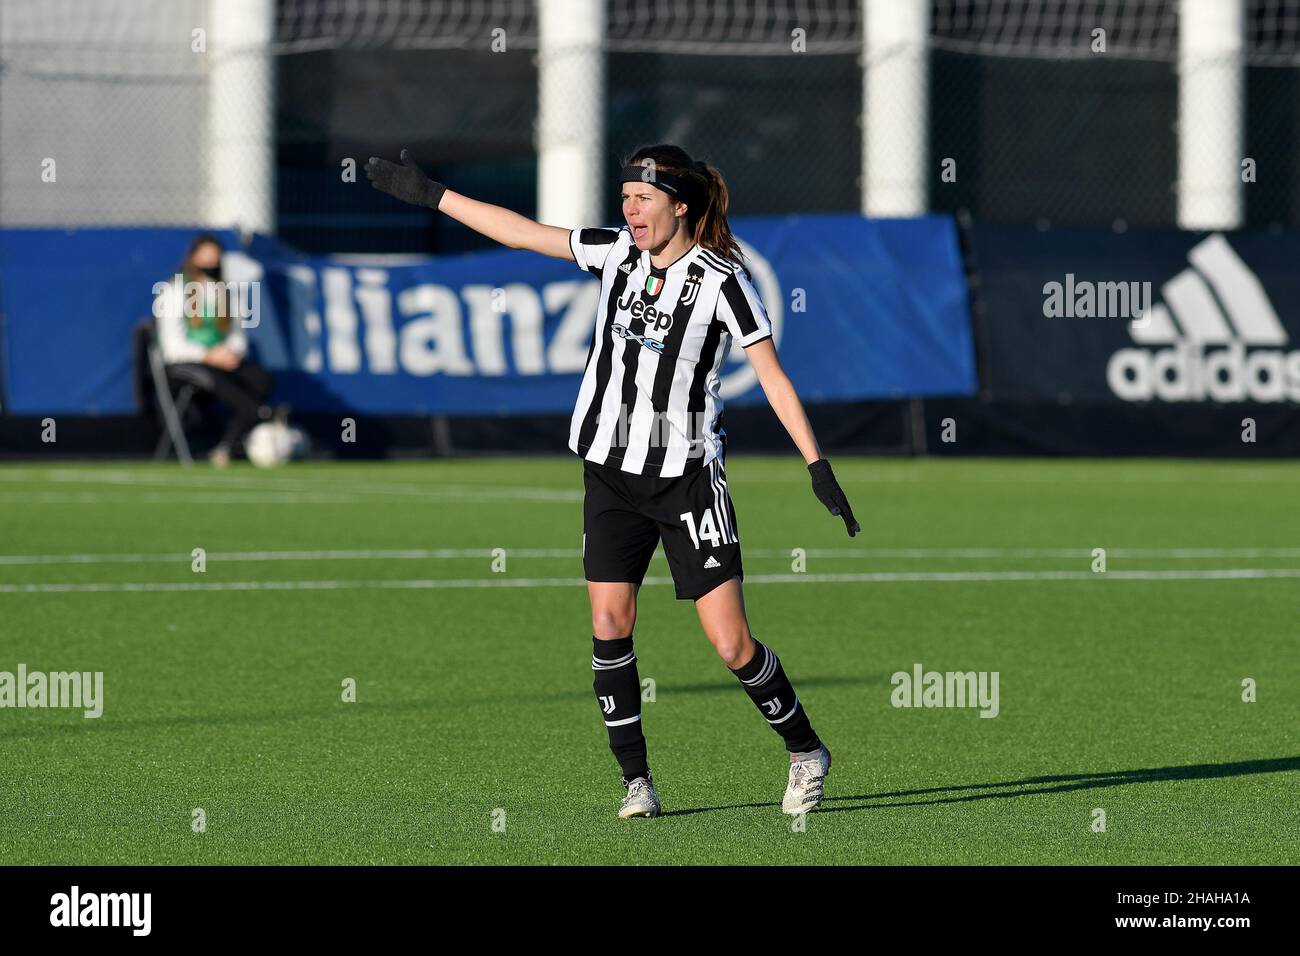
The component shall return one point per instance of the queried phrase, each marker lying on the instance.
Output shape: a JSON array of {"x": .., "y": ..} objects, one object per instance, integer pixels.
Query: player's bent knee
[
  {"x": 609, "y": 624},
  {"x": 733, "y": 648}
]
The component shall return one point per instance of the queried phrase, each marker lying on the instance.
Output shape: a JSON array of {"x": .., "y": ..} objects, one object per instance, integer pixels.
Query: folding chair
[{"x": 171, "y": 407}]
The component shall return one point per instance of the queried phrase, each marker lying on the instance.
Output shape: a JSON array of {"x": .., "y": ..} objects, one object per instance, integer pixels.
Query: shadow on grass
[
  {"x": 1031, "y": 786},
  {"x": 46, "y": 725}
]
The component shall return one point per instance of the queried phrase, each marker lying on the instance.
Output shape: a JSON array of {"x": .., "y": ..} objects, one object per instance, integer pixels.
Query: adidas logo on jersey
[
  {"x": 712, "y": 562},
  {"x": 625, "y": 268},
  {"x": 1220, "y": 338}
]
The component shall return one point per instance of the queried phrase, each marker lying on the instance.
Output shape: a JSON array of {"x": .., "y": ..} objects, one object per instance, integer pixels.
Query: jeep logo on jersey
[
  {"x": 1215, "y": 336},
  {"x": 634, "y": 306}
]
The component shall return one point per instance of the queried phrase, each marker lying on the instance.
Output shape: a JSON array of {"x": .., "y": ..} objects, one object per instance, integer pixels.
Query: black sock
[
  {"x": 765, "y": 682},
  {"x": 618, "y": 691}
]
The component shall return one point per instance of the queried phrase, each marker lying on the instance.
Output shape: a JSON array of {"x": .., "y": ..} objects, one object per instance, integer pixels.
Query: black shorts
[{"x": 624, "y": 516}]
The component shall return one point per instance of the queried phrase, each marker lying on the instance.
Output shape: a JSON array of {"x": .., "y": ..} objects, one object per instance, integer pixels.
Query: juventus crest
[{"x": 690, "y": 289}]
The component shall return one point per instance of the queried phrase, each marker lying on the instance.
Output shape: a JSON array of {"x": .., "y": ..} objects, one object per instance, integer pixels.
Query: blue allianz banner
[
  {"x": 861, "y": 309},
  {"x": 68, "y": 302}
]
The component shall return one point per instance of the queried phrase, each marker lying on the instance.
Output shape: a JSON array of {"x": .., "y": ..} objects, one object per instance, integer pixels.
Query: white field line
[
  {"x": 233, "y": 498},
  {"x": 884, "y": 577},
  {"x": 319, "y": 496},
  {"x": 420, "y": 554},
  {"x": 1285, "y": 473},
  {"x": 381, "y": 555},
  {"x": 849, "y": 477},
  {"x": 288, "y": 486}
]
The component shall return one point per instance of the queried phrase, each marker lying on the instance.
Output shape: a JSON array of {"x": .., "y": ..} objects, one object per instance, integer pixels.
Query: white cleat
[
  {"x": 807, "y": 778},
  {"x": 641, "y": 800}
]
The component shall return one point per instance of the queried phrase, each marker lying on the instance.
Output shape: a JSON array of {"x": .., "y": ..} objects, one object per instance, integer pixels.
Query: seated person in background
[{"x": 207, "y": 349}]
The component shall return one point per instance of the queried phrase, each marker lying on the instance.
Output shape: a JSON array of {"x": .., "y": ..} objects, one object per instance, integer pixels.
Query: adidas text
[
  {"x": 1188, "y": 372},
  {"x": 1215, "y": 336}
]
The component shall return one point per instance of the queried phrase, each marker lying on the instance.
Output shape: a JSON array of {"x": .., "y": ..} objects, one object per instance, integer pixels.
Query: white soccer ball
[{"x": 270, "y": 444}]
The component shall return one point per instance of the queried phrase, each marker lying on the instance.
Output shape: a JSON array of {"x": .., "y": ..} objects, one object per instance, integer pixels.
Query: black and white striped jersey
[{"x": 649, "y": 401}]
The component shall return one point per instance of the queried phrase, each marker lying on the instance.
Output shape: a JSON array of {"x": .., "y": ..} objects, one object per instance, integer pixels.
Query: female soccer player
[{"x": 674, "y": 293}]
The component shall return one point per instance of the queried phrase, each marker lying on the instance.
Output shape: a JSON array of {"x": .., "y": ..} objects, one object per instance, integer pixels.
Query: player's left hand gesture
[
  {"x": 829, "y": 493},
  {"x": 406, "y": 182}
]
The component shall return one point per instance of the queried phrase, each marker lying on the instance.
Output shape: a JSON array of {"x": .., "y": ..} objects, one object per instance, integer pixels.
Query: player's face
[{"x": 652, "y": 215}]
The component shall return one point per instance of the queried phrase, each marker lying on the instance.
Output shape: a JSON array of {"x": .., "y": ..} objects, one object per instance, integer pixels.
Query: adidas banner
[
  {"x": 1166, "y": 318},
  {"x": 860, "y": 309}
]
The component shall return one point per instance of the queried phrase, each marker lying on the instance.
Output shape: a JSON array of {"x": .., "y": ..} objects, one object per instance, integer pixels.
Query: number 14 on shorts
[{"x": 707, "y": 529}]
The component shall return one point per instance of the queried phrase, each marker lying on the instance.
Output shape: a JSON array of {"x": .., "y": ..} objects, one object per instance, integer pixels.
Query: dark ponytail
[{"x": 706, "y": 217}]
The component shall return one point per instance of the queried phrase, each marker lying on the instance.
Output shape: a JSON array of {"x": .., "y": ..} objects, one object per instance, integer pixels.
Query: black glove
[
  {"x": 406, "y": 181},
  {"x": 829, "y": 493}
]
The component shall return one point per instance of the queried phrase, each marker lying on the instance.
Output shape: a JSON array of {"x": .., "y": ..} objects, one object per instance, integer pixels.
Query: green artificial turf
[{"x": 475, "y": 706}]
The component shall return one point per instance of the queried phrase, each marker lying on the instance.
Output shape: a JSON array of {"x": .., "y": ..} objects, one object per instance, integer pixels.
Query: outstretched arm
[
  {"x": 785, "y": 402},
  {"x": 783, "y": 398},
  {"x": 409, "y": 184}
]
